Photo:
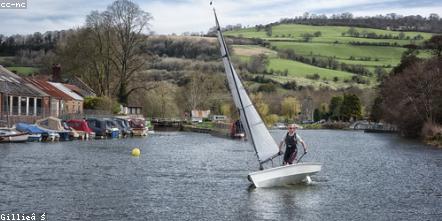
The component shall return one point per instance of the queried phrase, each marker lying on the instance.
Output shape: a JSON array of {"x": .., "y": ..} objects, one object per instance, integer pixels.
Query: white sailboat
[{"x": 265, "y": 146}]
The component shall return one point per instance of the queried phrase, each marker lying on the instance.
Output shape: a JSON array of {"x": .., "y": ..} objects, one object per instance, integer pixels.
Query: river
[{"x": 190, "y": 176}]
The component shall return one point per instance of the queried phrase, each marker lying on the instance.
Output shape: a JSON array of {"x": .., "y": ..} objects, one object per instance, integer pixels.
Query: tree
[
  {"x": 413, "y": 96},
  {"x": 268, "y": 88},
  {"x": 435, "y": 45},
  {"x": 268, "y": 30},
  {"x": 160, "y": 101},
  {"x": 317, "y": 34},
  {"x": 290, "y": 107},
  {"x": 258, "y": 63},
  {"x": 128, "y": 21},
  {"x": 335, "y": 107},
  {"x": 380, "y": 73},
  {"x": 351, "y": 108},
  {"x": 260, "y": 105},
  {"x": 376, "y": 110},
  {"x": 307, "y": 37},
  {"x": 316, "y": 115}
]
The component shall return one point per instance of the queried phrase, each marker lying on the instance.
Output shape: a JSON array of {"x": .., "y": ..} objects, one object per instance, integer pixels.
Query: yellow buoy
[{"x": 136, "y": 152}]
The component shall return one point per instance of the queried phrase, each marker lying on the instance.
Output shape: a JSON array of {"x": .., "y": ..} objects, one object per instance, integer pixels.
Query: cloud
[{"x": 178, "y": 16}]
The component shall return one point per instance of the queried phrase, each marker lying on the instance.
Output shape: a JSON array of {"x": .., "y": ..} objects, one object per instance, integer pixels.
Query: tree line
[
  {"x": 411, "y": 96},
  {"x": 392, "y": 21}
]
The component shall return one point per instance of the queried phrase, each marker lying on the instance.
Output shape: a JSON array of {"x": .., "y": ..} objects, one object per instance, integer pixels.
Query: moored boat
[
  {"x": 81, "y": 126},
  {"x": 103, "y": 127},
  {"x": 54, "y": 125},
  {"x": 9, "y": 135},
  {"x": 36, "y": 133},
  {"x": 138, "y": 126}
]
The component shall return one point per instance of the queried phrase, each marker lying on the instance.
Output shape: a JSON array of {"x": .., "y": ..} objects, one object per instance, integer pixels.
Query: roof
[
  {"x": 13, "y": 84},
  {"x": 77, "y": 90},
  {"x": 67, "y": 91},
  {"x": 80, "y": 84},
  {"x": 42, "y": 93},
  {"x": 7, "y": 73},
  {"x": 49, "y": 89}
]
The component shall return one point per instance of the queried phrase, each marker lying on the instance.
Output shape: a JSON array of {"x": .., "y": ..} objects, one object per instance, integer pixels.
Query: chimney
[{"x": 56, "y": 73}]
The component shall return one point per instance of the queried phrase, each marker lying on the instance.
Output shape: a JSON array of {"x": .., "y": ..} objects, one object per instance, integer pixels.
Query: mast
[{"x": 242, "y": 110}]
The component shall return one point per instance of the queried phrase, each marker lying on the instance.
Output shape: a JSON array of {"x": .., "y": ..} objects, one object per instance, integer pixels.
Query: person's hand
[
  {"x": 305, "y": 151},
  {"x": 280, "y": 152}
]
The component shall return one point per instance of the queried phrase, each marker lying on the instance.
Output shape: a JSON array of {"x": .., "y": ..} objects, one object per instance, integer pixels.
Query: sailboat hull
[{"x": 284, "y": 175}]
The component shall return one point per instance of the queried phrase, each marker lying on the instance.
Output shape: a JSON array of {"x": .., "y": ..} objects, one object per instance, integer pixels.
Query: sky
[{"x": 179, "y": 16}]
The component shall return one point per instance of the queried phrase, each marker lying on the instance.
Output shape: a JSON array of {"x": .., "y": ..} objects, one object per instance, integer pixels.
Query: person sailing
[{"x": 291, "y": 141}]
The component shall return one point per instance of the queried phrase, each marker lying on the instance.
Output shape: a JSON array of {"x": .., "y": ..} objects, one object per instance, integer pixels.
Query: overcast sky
[{"x": 178, "y": 16}]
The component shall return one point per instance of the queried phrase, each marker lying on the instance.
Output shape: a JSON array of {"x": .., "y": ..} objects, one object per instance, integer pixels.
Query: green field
[
  {"x": 329, "y": 33},
  {"x": 298, "y": 69},
  {"x": 331, "y": 43},
  {"x": 23, "y": 70},
  {"x": 343, "y": 51}
]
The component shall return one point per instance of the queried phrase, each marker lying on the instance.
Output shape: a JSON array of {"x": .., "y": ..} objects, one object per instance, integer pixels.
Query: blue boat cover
[{"x": 29, "y": 128}]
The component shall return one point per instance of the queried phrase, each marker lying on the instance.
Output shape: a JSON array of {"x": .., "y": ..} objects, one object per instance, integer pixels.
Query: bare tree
[{"x": 128, "y": 21}]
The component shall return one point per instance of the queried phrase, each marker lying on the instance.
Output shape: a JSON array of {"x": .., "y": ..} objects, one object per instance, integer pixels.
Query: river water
[{"x": 189, "y": 176}]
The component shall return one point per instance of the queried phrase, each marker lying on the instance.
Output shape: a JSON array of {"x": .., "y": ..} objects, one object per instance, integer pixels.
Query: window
[
  {"x": 39, "y": 107},
  {"x": 23, "y": 105},
  {"x": 6, "y": 104},
  {"x": 31, "y": 106},
  {"x": 14, "y": 105}
]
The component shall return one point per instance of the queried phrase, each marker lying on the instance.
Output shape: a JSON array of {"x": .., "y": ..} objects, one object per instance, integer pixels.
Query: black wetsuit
[{"x": 291, "y": 149}]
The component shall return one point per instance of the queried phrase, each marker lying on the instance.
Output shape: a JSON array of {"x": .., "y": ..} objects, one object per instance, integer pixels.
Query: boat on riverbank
[
  {"x": 139, "y": 127},
  {"x": 54, "y": 125},
  {"x": 9, "y": 135},
  {"x": 103, "y": 127},
  {"x": 257, "y": 133},
  {"x": 81, "y": 127},
  {"x": 36, "y": 133}
]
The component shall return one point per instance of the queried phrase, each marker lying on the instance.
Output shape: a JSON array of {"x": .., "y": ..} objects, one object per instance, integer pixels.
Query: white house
[{"x": 200, "y": 115}]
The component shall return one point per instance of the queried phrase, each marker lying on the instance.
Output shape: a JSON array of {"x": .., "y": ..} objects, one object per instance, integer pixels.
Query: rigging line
[{"x": 236, "y": 86}]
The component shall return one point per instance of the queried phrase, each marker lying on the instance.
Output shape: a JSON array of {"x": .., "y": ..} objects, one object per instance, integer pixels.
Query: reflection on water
[{"x": 186, "y": 176}]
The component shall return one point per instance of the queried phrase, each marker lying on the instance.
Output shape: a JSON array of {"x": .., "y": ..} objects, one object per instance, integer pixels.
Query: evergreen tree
[{"x": 351, "y": 108}]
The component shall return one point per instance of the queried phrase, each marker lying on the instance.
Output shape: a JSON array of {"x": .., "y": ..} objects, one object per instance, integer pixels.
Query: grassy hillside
[
  {"x": 23, "y": 70},
  {"x": 295, "y": 70},
  {"x": 329, "y": 34},
  {"x": 330, "y": 44}
]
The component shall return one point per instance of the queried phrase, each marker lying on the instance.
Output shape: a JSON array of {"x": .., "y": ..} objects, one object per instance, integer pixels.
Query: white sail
[{"x": 256, "y": 131}]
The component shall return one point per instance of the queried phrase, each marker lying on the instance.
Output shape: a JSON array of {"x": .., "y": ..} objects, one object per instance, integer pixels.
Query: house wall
[
  {"x": 55, "y": 107},
  {"x": 73, "y": 107},
  {"x": 24, "y": 109}
]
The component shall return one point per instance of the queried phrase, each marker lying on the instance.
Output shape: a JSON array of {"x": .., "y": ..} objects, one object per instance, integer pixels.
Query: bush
[
  {"x": 101, "y": 103},
  {"x": 268, "y": 87},
  {"x": 314, "y": 76}
]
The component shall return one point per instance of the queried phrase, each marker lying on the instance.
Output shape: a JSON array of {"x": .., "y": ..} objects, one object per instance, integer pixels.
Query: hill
[{"x": 365, "y": 52}]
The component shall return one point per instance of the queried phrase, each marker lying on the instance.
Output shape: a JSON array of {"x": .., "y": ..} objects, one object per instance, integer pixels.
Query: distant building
[
  {"x": 73, "y": 105},
  {"x": 131, "y": 110},
  {"x": 19, "y": 101},
  {"x": 200, "y": 115},
  {"x": 62, "y": 99}
]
